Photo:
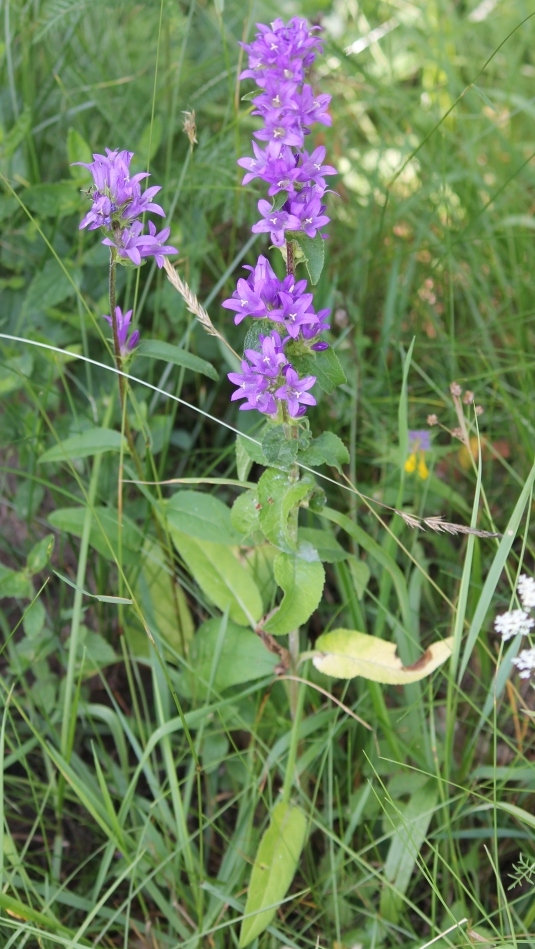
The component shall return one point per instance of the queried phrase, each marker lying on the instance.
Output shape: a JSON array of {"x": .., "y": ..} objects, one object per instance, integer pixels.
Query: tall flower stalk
[
  {"x": 279, "y": 58},
  {"x": 117, "y": 206}
]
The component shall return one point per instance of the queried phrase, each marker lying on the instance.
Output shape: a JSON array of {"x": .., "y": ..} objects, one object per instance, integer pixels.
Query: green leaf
[
  {"x": 201, "y": 515},
  {"x": 161, "y": 599},
  {"x": 329, "y": 550},
  {"x": 313, "y": 249},
  {"x": 14, "y": 372},
  {"x": 48, "y": 288},
  {"x": 346, "y": 653},
  {"x": 149, "y": 142},
  {"x": 101, "y": 597},
  {"x": 259, "y": 560},
  {"x": 221, "y": 577},
  {"x": 279, "y": 199},
  {"x": 278, "y": 495},
  {"x": 279, "y": 450},
  {"x": 34, "y": 619},
  {"x": 15, "y": 583},
  {"x": 302, "y": 582},
  {"x": 231, "y": 653},
  {"x": 244, "y": 513},
  {"x": 412, "y": 823},
  {"x": 252, "y": 336},
  {"x": 360, "y": 574},
  {"x": 274, "y": 868},
  {"x": 17, "y": 133},
  {"x": 244, "y": 462},
  {"x": 325, "y": 366},
  {"x": 252, "y": 449},
  {"x": 94, "y": 441},
  {"x": 326, "y": 449},
  {"x": 94, "y": 652},
  {"x": 52, "y": 200},
  {"x": 157, "y": 349},
  {"x": 103, "y": 536},
  {"x": 78, "y": 150},
  {"x": 40, "y": 555},
  {"x": 379, "y": 554}
]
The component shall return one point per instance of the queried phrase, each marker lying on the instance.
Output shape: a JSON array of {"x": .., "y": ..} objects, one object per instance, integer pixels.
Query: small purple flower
[
  {"x": 295, "y": 313},
  {"x": 295, "y": 393},
  {"x": 311, "y": 167},
  {"x": 252, "y": 386},
  {"x": 126, "y": 342},
  {"x": 157, "y": 247},
  {"x": 133, "y": 244},
  {"x": 275, "y": 223},
  {"x": 419, "y": 439},
  {"x": 270, "y": 361},
  {"x": 307, "y": 207}
]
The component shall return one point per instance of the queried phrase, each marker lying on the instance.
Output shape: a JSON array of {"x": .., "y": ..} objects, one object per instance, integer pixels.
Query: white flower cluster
[
  {"x": 525, "y": 663},
  {"x": 519, "y": 621}
]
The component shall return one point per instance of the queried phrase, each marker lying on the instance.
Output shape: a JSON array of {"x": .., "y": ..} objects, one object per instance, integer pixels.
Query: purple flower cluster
[
  {"x": 117, "y": 205},
  {"x": 267, "y": 376},
  {"x": 278, "y": 59}
]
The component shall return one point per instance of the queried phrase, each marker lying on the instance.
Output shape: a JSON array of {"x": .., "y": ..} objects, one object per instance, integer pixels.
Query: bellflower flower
[
  {"x": 117, "y": 205},
  {"x": 126, "y": 342},
  {"x": 279, "y": 58}
]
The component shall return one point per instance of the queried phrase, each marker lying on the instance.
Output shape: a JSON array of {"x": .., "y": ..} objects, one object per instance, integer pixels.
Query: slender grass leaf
[
  {"x": 157, "y": 349},
  {"x": 94, "y": 441},
  {"x": 411, "y": 821},
  {"x": 104, "y": 534},
  {"x": 495, "y": 571},
  {"x": 379, "y": 554},
  {"x": 329, "y": 550}
]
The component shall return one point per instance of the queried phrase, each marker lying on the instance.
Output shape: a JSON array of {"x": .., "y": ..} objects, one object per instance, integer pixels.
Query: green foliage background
[{"x": 144, "y": 834}]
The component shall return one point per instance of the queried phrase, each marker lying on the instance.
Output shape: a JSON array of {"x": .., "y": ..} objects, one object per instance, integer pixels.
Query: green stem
[{"x": 290, "y": 773}]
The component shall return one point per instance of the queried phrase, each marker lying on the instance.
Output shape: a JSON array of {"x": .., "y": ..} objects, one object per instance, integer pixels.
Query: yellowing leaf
[{"x": 346, "y": 653}]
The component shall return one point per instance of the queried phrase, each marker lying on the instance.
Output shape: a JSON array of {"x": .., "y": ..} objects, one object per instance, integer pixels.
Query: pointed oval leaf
[
  {"x": 274, "y": 868},
  {"x": 201, "y": 515},
  {"x": 221, "y": 576},
  {"x": 242, "y": 658},
  {"x": 346, "y": 653},
  {"x": 313, "y": 250}
]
